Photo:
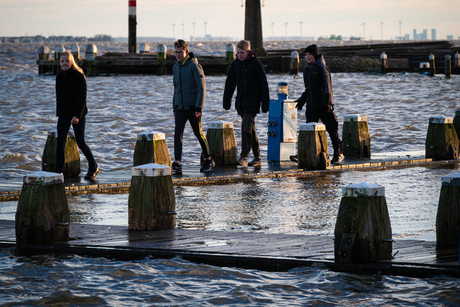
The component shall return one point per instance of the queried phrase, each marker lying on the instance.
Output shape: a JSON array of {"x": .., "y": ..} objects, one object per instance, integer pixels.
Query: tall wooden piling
[
  {"x": 383, "y": 63},
  {"x": 456, "y": 122},
  {"x": 294, "y": 67},
  {"x": 162, "y": 56},
  {"x": 253, "y": 26},
  {"x": 151, "y": 147},
  {"x": 43, "y": 55},
  {"x": 355, "y": 137},
  {"x": 448, "y": 215},
  {"x": 151, "y": 201},
  {"x": 312, "y": 147},
  {"x": 132, "y": 25},
  {"x": 58, "y": 50},
  {"x": 42, "y": 214},
  {"x": 75, "y": 50},
  {"x": 363, "y": 229},
  {"x": 72, "y": 155},
  {"x": 448, "y": 67},
  {"x": 91, "y": 56},
  {"x": 432, "y": 65},
  {"x": 441, "y": 140},
  {"x": 222, "y": 142}
]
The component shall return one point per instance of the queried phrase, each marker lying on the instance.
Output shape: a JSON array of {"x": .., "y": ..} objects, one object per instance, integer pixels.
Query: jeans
[
  {"x": 249, "y": 136},
  {"x": 181, "y": 117},
  {"x": 63, "y": 127}
]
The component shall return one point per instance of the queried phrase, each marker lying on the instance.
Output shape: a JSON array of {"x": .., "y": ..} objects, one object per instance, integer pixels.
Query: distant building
[
  {"x": 433, "y": 34},
  {"x": 421, "y": 36},
  {"x": 450, "y": 37}
]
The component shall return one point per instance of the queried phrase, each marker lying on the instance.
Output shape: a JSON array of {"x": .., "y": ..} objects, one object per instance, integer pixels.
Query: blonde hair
[
  {"x": 69, "y": 54},
  {"x": 243, "y": 44}
]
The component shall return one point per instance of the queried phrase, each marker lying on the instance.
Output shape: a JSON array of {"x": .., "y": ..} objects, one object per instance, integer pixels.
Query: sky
[{"x": 280, "y": 18}]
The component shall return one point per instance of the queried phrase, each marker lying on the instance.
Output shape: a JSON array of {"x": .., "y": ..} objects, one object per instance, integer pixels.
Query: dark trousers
[
  {"x": 329, "y": 119},
  {"x": 181, "y": 117},
  {"x": 63, "y": 127},
  {"x": 249, "y": 136}
]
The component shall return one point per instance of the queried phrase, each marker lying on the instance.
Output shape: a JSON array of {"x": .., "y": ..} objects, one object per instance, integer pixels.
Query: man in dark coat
[
  {"x": 319, "y": 99},
  {"x": 247, "y": 74}
]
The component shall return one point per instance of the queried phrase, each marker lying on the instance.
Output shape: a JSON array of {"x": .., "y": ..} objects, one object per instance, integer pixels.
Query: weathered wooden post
[
  {"x": 151, "y": 147},
  {"x": 72, "y": 155},
  {"x": 222, "y": 142},
  {"x": 294, "y": 67},
  {"x": 355, "y": 137},
  {"x": 151, "y": 201},
  {"x": 91, "y": 56},
  {"x": 161, "y": 57},
  {"x": 448, "y": 216},
  {"x": 312, "y": 147},
  {"x": 363, "y": 229},
  {"x": 58, "y": 50},
  {"x": 456, "y": 122},
  {"x": 441, "y": 140},
  {"x": 132, "y": 25},
  {"x": 253, "y": 26},
  {"x": 383, "y": 63},
  {"x": 448, "y": 67},
  {"x": 230, "y": 54},
  {"x": 145, "y": 48},
  {"x": 43, "y": 214},
  {"x": 432, "y": 65},
  {"x": 43, "y": 55},
  {"x": 75, "y": 50}
]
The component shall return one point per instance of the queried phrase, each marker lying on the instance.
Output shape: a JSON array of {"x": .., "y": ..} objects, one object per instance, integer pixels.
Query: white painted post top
[
  {"x": 431, "y": 57},
  {"x": 43, "y": 178},
  {"x": 151, "y": 170},
  {"x": 355, "y": 118},
  {"x": 161, "y": 48},
  {"x": 294, "y": 55},
  {"x": 312, "y": 127},
  {"x": 150, "y": 136},
  {"x": 441, "y": 120},
  {"x": 220, "y": 125},
  {"x": 451, "y": 180},
  {"x": 230, "y": 47},
  {"x": 363, "y": 189},
  {"x": 383, "y": 55}
]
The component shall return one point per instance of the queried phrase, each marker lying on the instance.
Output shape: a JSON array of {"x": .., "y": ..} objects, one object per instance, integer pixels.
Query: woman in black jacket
[
  {"x": 71, "y": 109},
  {"x": 247, "y": 74}
]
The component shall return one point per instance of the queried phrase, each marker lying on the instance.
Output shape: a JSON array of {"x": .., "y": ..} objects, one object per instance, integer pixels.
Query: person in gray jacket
[{"x": 188, "y": 102}]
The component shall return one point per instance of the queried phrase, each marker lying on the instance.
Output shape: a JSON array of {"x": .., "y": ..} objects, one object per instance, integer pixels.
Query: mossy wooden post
[
  {"x": 75, "y": 50},
  {"x": 145, "y": 48},
  {"x": 355, "y": 137},
  {"x": 91, "y": 56},
  {"x": 72, "y": 155},
  {"x": 432, "y": 65},
  {"x": 383, "y": 63},
  {"x": 448, "y": 216},
  {"x": 222, "y": 142},
  {"x": 43, "y": 55},
  {"x": 161, "y": 57},
  {"x": 363, "y": 229},
  {"x": 294, "y": 67},
  {"x": 151, "y": 202},
  {"x": 230, "y": 54},
  {"x": 448, "y": 66},
  {"x": 313, "y": 148},
  {"x": 456, "y": 122},
  {"x": 58, "y": 50},
  {"x": 441, "y": 140},
  {"x": 151, "y": 147},
  {"x": 43, "y": 214}
]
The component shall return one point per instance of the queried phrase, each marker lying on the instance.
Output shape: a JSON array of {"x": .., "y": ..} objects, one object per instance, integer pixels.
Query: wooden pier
[{"x": 249, "y": 250}]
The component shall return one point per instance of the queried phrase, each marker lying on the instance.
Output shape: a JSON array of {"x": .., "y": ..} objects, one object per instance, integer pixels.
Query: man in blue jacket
[
  {"x": 319, "y": 99},
  {"x": 188, "y": 102},
  {"x": 247, "y": 74}
]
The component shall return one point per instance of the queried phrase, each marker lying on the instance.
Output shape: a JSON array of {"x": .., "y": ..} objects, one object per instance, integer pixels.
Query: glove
[{"x": 299, "y": 104}]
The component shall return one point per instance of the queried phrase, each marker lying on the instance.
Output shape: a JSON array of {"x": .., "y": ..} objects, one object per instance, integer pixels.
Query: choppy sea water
[{"x": 397, "y": 106}]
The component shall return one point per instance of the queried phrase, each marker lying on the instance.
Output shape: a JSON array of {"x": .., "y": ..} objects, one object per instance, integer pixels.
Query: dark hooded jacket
[
  {"x": 251, "y": 83},
  {"x": 318, "y": 86},
  {"x": 71, "y": 94},
  {"x": 189, "y": 85}
]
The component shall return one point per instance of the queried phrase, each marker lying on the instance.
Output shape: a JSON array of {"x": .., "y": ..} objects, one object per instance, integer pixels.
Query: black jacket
[
  {"x": 252, "y": 88},
  {"x": 71, "y": 94},
  {"x": 318, "y": 86}
]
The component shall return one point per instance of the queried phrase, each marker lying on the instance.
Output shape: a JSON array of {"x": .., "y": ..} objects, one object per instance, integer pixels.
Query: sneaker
[
  {"x": 177, "y": 168},
  {"x": 207, "y": 165},
  {"x": 243, "y": 161},
  {"x": 337, "y": 158},
  {"x": 91, "y": 175},
  {"x": 294, "y": 158},
  {"x": 255, "y": 162}
]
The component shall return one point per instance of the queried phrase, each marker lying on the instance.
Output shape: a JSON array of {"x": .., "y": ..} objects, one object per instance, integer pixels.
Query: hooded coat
[
  {"x": 189, "y": 85},
  {"x": 71, "y": 94},
  {"x": 318, "y": 86},
  {"x": 251, "y": 83}
]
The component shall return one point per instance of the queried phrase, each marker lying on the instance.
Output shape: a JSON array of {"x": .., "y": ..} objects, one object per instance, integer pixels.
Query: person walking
[
  {"x": 71, "y": 110},
  {"x": 319, "y": 99},
  {"x": 188, "y": 102},
  {"x": 247, "y": 74}
]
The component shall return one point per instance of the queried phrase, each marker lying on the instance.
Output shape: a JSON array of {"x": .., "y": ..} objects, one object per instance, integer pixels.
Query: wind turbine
[
  {"x": 205, "y": 24},
  {"x": 301, "y": 23},
  {"x": 183, "y": 24},
  {"x": 193, "y": 28},
  {"x": 381, "y": 29},
  {"x": 286, "y": 24},
  {"x": 364, "y": 29},
  {"x": 272, "y": 29},
  {"x": 174, "y": 35},
  {"x": 400, "y": 22}
]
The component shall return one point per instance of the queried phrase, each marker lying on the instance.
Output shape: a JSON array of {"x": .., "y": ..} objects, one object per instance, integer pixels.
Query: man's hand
[{"x": 299, "y": 104}]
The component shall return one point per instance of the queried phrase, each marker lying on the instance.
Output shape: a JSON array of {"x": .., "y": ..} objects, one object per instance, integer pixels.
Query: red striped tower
[{"x": 132, "y": 26}]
